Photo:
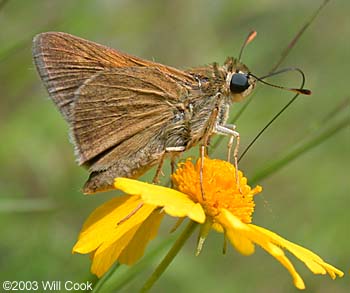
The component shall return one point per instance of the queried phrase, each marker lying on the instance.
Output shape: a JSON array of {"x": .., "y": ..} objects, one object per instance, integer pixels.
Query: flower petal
[
  {"x": 315, "y": 264},
  {"x": 101, "y": 228},
  {"x": 233, "y": 227},
  {"x": 146, "y": 232},
  {"x": 278, "y": 253},
  {"x": 175, "y": 203},
  {"x": 104, "y": 257},
  {"x": 248, "y": 236},
  {"x": 127, "y": 249}
]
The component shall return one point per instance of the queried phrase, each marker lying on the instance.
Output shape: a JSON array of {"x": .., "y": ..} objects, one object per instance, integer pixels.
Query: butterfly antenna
[
  {"x": 297, "y": 91},
  {"x": 251, "y": 36}
]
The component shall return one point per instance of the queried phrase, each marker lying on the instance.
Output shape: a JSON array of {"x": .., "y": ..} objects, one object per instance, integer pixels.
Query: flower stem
[
  {"x": 170, "y": 256},
  {"x": 102, "y": 281}
]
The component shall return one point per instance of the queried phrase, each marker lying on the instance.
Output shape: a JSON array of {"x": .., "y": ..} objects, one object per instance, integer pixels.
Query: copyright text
[{"x": 59, "y": 286}]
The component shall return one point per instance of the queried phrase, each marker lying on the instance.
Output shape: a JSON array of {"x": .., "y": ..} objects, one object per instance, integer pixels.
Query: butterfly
[{"x": 126, "y": 114}]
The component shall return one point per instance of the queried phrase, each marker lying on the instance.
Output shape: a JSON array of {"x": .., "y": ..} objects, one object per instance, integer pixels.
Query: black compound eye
[{"x": 239, "y": 83}]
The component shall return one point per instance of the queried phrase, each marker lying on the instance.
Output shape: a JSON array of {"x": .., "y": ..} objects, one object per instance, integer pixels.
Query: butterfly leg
[
  {"x": 162, "y": 159},
  {"x": 159, "y": 169},
  {"x": 133, "y": 212},
  {"x": 202, "y": 155},
  {"x": 203, "y": 148},
  {"x": 236, "y": 135},
  {"x": 229, "y": 129},
  {"x": 173, "y": 167}
]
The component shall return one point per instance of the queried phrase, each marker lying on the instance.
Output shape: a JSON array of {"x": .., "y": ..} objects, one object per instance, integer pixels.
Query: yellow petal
[
  {"x": 315, "y": 263},
  {"x": 128, "y": 248},
  {"x": 248, "y": 236},
  {"x": 272, "y": 242},
  {"x": 146, "y": 232},
  {"x": 239, "y": 241},
  {"x": 278, "y": 253},
  {"x": 101, "y": 228},
  {"x": 174, "y": 203},
  {"x": 104, "y": 257}
]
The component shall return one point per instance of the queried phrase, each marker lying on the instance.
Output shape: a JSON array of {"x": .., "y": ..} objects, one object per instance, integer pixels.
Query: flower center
[{"x": 219, "y": 188}]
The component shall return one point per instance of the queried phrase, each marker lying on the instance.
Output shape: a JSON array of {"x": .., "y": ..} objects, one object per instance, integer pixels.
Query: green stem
[
  {"x": 290, "y": 46},
  {"x": 278, "y": 164},
  {"x": 170, "y": 256},
  {"x": 103, "y": 280}
]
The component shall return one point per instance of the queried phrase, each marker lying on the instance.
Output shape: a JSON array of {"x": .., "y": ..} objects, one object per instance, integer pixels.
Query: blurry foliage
[{"x": 41, "y": 207}]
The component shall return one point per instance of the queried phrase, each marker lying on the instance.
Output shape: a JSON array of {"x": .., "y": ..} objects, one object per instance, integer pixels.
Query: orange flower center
[{"x": 219, "y": 188}]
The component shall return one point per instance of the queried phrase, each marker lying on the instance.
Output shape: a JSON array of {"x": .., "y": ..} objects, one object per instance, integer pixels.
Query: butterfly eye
[{"x": 239, "y": 83}]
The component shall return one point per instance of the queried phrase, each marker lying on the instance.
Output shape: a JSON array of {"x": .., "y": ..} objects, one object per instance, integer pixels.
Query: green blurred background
[{"x": 41, "y": 206}]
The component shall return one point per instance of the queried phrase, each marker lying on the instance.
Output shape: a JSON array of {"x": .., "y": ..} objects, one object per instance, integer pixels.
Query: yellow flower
[{"x": 120, "y": 229}]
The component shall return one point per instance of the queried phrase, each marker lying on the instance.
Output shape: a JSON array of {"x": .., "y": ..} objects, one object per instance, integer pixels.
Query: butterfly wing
[
  {"x": 120, "y": 121},
  {"x": 114, "y": 105},
  {"x": 65, "y": 62},
  {"x": 120, "y": 108}
]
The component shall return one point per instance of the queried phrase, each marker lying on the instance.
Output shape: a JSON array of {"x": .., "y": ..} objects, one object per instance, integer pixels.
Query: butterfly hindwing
[{"x": 116, "y": 104}]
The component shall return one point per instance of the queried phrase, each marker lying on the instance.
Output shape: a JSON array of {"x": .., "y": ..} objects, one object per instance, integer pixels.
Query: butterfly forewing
[
  {"x": 114, "y": 105},
  {"x": 121, "y": 109},
  {"x": 65, "y": 62}
]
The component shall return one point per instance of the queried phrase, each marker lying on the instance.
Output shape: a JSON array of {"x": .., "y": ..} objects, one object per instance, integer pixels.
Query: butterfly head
[{"x": 239, "y": 82}]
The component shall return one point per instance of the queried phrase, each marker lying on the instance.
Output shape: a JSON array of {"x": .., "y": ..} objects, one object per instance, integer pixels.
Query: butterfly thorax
[{"x": 212, "y": 93}]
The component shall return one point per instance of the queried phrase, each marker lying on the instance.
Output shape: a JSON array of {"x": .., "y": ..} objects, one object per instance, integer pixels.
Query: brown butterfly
[{"x": 126, "y": 113}]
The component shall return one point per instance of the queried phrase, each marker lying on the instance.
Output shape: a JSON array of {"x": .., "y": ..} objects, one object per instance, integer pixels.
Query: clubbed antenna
[
  {"x": 251, "y": 36},
  {"x": 298, "y": 91}
]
